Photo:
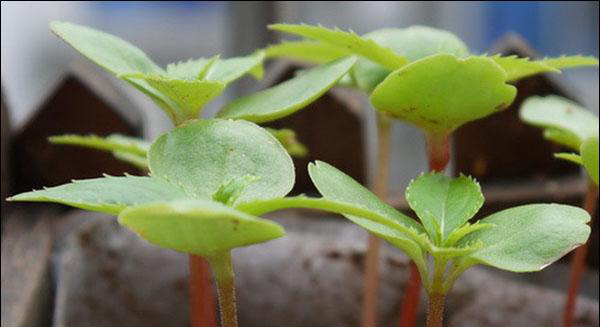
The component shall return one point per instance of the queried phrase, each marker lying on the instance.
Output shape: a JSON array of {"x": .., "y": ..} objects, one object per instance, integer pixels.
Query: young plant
[
  {"x": 423, "y": 76},
  {"x": 568, "y": 124},
  {"x": 182, "y": 90}
]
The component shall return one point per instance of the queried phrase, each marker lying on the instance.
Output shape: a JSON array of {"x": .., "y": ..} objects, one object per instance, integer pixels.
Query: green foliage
[
  {"x": 568, "y": 124},
  {"x": 290, "y": 96},
  {"x": 439, "y": 93},
  {"x": 312, "y": 51}
]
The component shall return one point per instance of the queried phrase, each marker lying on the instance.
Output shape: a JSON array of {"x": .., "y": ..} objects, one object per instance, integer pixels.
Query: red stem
[
  {"x": 578, "y": 262},
  {"x": 438, "y": 154},
  {"x": 202, "y": 302}
]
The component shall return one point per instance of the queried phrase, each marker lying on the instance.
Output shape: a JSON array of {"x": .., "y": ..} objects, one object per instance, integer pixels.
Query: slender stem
[
  {"x": 380, "y": 187},
  {"x": 435, "y": 313},
  {"x": 438, "y": 155},
  {"x": 578, "y": 263},
  {"x": 202, "y": 302},
  {"x": 223, "y": 271}
]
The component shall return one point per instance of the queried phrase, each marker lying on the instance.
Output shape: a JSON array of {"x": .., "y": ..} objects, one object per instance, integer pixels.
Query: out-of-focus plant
[{"x": 569, "y": 124}]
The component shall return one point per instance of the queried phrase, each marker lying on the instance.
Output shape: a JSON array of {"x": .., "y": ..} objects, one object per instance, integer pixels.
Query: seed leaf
[
  {"x": 346, "y": 40},
  {"x": 529, "y": 237},
  {"x": 202, "y": 155},
  {"x": 203, "y": 227},
  {"x": 441, "y": 92},
  {"x": 589, "y": 157},
  {"x": 565, "y": 122},
  {"x": 289, "y": 96},
  {"x": 442, "y": 203},
  {"x": 109, "y": 194}
]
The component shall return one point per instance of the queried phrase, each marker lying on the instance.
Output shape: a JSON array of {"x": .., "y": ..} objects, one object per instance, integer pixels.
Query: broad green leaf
[
  {"x": 566, "y": 122},
  {"x": 290, "y": 96},
  {"x": 109, "y": 194},
  {"x": 346, "y": 40},
  {"x": 335, "y": 185},
  {"x": 108, "y": 51},
  {"x": 228, "y": 70},
  {"x": 288, "y": 140},
  {"x": 192, "y": 69},
  {"x": 572, "y": 157},
  {"x": 201, "y": 227},
  {"x": 442, "y": 203},
  {"x": 200, "y": 156},
  {"x": 317, "y": 52},
  {"x": 529, "y": 237},
  {"x": 517, "y": 68},
  {"x": 441, "y": 92},
  {"x": 589, "y": 156},
  {"x": 113, "y": 142},
  {"x": 189, "y": 95}
]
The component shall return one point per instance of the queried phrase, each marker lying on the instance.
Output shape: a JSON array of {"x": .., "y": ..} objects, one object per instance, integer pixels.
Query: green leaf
[
  {"x": 113, "y": 142},
  {"x": 589, "y": 156},
  {"x": 201, "y": 227},
  {"x": 289, "y": 96},
  {"x": 572, "y": 157},
  {"x": 228, "y": 70},
  {"x": 109, "y": 194},
  {"x": 200, "y": 156},
  {"x": 570, "y": 61},
  {"x": 529, "y": 237},
  {"x": 230, "y": 191},
  {"x": 346, "y": 40},
  {"x": 289, "y": 141},
  {"x": 190, "y": 96},
  {"x": 517, "y": 68},
  {"x": 442, "y": 203},
  {"x": 457, "y": 234},
  {"x": 139, "y": 161},
  {"x": 566, "y": 122},
  {"x": 192, "y": 69},
  {"x": 108, "y": 51},
  {"x": 317, "y": 52},
  {"x": 441, "y": 92}
]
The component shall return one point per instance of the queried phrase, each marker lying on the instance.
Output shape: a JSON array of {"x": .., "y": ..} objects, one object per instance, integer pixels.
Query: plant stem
[
  {"x": 578, "y": 263},
  {"x": 438, "y": 156},
  {"x": 202, "y": 302},
  {"x": 435, "y": 314},
  {"x": 380, "y": 187},
  {"x": 223, "y": 271}
]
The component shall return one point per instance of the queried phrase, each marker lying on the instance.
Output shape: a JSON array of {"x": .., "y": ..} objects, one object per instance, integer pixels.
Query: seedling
[
  {"x": 566, "y": 123},
  {"x": 426, "y": 77},
  {"x": 181, "y": 91}
]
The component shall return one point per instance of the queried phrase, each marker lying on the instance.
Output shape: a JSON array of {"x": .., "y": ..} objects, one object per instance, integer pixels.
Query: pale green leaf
[
  {"x": 312, "y": 51},
  {"x": 192, "y": 69},
  {"x": 529, "y": 237},
  {"x": 346, "y": 40},
  {"x": 572, "y": 157},
  {"x": 570, "y": 61},
  {"x": 108, "y": 51},
  {"x": 442, "y": 92},
  {"x": 457, "y": 234},
  {"x": 566, "y": 122},
  {"x": 200, "y": 227},
  {"x": 109, "y": 194},
  {"x": 200, "y": 156},
  {"x": 290, "y": 142},
  {"x": 228, "y": 70},
  {"x": 589, "y": 156},
  {"x": 139, "y": 161},
  {"x": 290, "y": 96},
  {"x": 517, "y": 68},
  {"x": 113, "y": 142},
  {"x": 442, "y": 203},
  {"x": 189, "y": 95}
]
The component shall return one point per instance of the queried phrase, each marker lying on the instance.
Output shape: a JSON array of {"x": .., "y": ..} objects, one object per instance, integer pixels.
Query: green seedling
[
  {"x": 181, "y": 91},
  {"x": 570, "y": 125},
  {"x": 426, "y": 77}
]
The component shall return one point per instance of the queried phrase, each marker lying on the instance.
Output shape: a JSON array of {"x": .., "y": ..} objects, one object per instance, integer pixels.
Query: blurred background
[{"x": 517, "y": 168}]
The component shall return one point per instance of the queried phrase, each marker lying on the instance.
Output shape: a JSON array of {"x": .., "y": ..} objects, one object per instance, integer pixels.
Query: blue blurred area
[
  {"x": 135, "y": 6},
  {"x": 520, "y": 17}
]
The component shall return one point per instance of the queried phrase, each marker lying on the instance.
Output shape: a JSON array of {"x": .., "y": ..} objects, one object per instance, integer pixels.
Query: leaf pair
[
  {"x": 422, "y": 75},
  {"x": 568, "y": 124}
]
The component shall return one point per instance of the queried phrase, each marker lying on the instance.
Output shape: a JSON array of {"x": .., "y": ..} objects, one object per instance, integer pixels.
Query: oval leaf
[
  {"x": 200, "y": 227},
  {"x": 441, "y": 92},
  {"x": 443, "y": 203},
  {"x": 289, "y": 96},
  {"x": 566, "y": 122},
  {"x": 589, "y": 157},
  {"x": 201, "y": 156},
  {"x": 529, "y": 237}
]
